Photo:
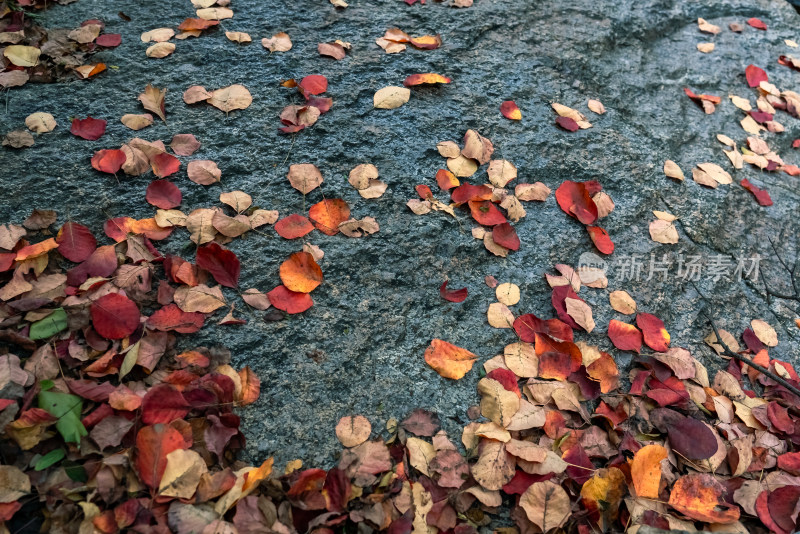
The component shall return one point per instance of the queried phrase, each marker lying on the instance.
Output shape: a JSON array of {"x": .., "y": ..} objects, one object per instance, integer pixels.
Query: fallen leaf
[
  {"x": 152, "y": 99},
  {"x": 279, "y": 42},
  {"x": 453, "y": 295},
  {"x": 231, "y": 98},
  {"x": 546, "y": 505},
  {"x": 353, "y": 430},
  {"x": 510, "y": 110},
  {"x": 448, "y": 360},
  {"x": 300, "y": 273},
  {"x": 391, "y": 97},
  {"x": 646, "y": 470},
  {"x": 203, "y": 172},
  {"x": 40, "y": 122},
  {"x": 700, "y": 497},
  {"x": 305, "y": 177}
]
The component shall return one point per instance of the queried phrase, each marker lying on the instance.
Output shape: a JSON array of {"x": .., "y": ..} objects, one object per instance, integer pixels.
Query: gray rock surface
[{"x": 379, "y": 306}]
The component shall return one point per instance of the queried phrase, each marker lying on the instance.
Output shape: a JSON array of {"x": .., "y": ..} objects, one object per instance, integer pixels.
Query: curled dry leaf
[
  {"x": 238, "y": 200},
  {"x": 596, "y": 106},
  {"x": 353, "y": 430},
  {"x": 158, "y": 35},
  {"x": 137, "y": 122},
  {"x": 160, "y": 50},
  {"x": 501, "y": 172},
  {"x": 449, "y": 360},
  {"x": 215, "y": 13},
  {"x": 572, "y": 114},
  {"x": 196, "y": 93},
  {"x": 334, "y": 50},
  {"x": 462, "y": 166},
  {"x": 672, "y": 170},
  {"x": 40, "y": 122},
  {"x": 764, "y": 332},
  {"x": 231, "y": 98},
  {"x": 359, "y": 228},
  {"x": 203, "y": 172},
  {"x": 279, "y": 42},
  {"x": 705, "y": 48},
  {"x": 238, "y": 37},
  {"x": 448, "y": 149},
  {"x": 18, "y": 139},
  {"x": 391, "y": 97},
  {"x": 500, "y": 316},
  {"x": 622, "y": 302},
  {"x": 706, "y": 27},
  {"x": 152, "y": 99},
  {"x": 507, "y": 293},
  {"x": 305, "y": 177},
  {"x": 662, "y": 231}
]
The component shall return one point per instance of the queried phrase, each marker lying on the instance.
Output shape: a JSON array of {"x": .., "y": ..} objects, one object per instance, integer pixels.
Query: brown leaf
[{"x": 152, "y": 99}]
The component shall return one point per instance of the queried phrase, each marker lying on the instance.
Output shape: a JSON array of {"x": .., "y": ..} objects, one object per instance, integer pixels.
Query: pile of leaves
[{"x": 34, "y": 53}]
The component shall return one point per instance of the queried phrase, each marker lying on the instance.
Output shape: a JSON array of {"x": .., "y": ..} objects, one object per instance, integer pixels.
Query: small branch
[{"x": 763, "y": 370}]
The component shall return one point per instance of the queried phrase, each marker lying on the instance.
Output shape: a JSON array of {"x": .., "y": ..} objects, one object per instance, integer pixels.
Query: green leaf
[
  {"x": 51, "y": 458},
  {"x": 75, "y": 471},
  {"x": 131, "y": 357},
  {"x": 67, "y": 408},
  {"x": 50, "y": 325}
]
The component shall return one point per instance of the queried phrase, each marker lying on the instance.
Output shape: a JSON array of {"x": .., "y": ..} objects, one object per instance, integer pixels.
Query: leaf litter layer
[{"x": 554, "y": 365}]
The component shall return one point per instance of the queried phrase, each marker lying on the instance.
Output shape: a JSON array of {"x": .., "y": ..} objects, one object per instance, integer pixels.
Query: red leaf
[
  {"x": 790, "y": 462},
  {"x": 153, "y": 444},
  {"x": 600, "y": 239},
  {"x": 424, "y": 192},
  {"x": 293, "y": 226},
  {"x": 171, "y": 317},
  {"x": 624, "y": 336},
  {"x": 573, "y": 198},
  {"x": 164, "y": 164},
  {"x": 757, "y": 23},
  {"x": 453, "y": 295},
  {"x": 762, "y": 195},
  {"x": 289, "y": 301},
  {"x": 692, "y": 439},
  {"x": 655, "y": 335},
  {"x": 486, "y": 213},
  {"x": 114, "y": 316},
  {"x": 470, "y": 193},
  {"x": 314, "y": 84},
  {"x": 109, "y": 40},
  {"x": 528, "y": 325},
  {"x": 191, "y": 24},
  {"x": 755, "y": 75},
  {"x": 88, "y": 128},
  {"x": 510, "y": 110},
  {"x": 504, "y": 235},
  {"x": 567, "y": 124},
  {"x": 220, "y": 262},
  {"x": 163, "y": 194},
  {"x": 507, "y": 379},
  {"x": 108, "y": 160},
  {"x": 328, "y": 214},
  {"x": 163, "y": 404},
  {"x": 75, "y": 242}
]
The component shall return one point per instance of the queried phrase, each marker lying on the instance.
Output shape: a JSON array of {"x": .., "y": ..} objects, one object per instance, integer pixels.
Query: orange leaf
[
  {"x": 646, "y": 470},
  {"x": 699, "y": 496},
  {"x": 446, "y": 179},
  {"x": 655, "y": 335},
  {"x": 251, "y": 386},
  {"x": 289, "y": 301},
  {"x": 301, "y": 273},
  {"x": 329, "y": 214},
  {"x": 426, "y": 42},
  {"x": 448, "y": 360},
  {"x": 153, "y": 444},
  {"x": 510, "y": 110},
  {"x": 36, "y": 250},
  {"x": 191, "y": 24},
  {"x": 428, "y": 77},
  {"x": 624, "y": 336}
]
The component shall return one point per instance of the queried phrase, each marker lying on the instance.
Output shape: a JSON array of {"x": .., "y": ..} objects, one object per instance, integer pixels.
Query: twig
[{"x": 763, "y": 370}]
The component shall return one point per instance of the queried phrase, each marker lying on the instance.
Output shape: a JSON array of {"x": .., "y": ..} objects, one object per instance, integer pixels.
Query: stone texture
[{"x": 379, "y": 306}]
